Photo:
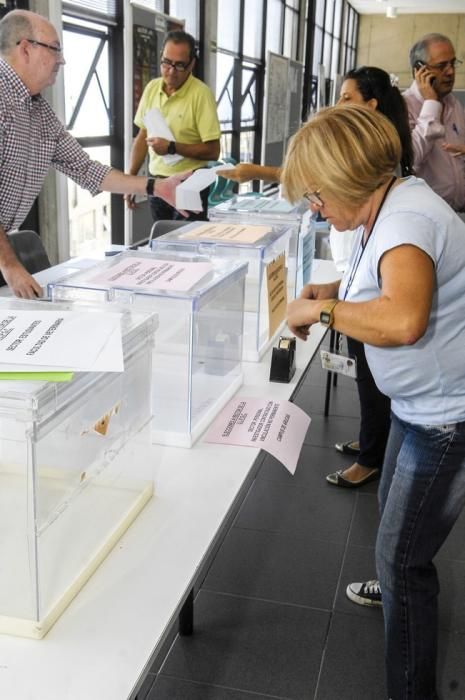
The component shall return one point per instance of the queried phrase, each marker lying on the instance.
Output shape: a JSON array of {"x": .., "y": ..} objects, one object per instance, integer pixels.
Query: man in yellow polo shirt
[{"x": 189, "y": 109}]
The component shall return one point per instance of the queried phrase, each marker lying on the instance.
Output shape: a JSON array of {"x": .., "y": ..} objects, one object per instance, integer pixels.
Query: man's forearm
[
  {"x": 7, "y": 254},
  {"x": 209, "y": 150},
  {"x": 120, "y": 183}
]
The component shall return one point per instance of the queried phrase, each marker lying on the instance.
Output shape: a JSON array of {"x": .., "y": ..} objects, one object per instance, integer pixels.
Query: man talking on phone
[{"x": 437, "y": 119}]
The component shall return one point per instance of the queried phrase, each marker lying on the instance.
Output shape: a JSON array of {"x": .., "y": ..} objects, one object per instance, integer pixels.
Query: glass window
[
  {"x": 350, "y": 30},
  {"x": 273, "y": 29},
  {"x": 189, "y": 11},
  {"x": 105, "y": 8},
  {"x": 355, "y": 34},
  {"x": 224, "y": 89},
  {"x": 89, "y": 217},
  {"x": 291, "y": 31},
  {"x": 228, "y": 24},
  {"x": 317, "y": 50},
  {"x": 335, "y": 58},
  {"x": 247, "y": 146},
  {"x": 81, "y": 53},
  {"x": 320, "y": 13},
  {"x": 226, "y": 147},
  {"x": 337, "y": 19},
  {"x": 253, "y": 20},
  {"x": 329, "y": 16},
  {"x": 328, "y": 41},
  {"x": 248, "y": 109}
]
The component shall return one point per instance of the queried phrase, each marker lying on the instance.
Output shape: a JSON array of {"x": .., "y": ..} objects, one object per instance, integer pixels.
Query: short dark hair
[{"x": 179, "y": 37}]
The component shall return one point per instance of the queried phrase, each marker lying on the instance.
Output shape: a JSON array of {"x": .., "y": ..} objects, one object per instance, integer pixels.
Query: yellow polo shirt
[{"x": 191, "y": 115}]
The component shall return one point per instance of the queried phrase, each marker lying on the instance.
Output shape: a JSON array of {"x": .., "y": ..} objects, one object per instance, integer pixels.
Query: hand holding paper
[
  {"x": 188, "y": 194},
  {"x": 157, "y": 127}
]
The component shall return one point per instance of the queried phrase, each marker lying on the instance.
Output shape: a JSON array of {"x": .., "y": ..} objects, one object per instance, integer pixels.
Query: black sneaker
[{"x": 368, "y": 593}]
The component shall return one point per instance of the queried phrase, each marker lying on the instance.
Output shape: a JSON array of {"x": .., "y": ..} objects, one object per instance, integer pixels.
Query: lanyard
[{"x": 362, "y": 245}]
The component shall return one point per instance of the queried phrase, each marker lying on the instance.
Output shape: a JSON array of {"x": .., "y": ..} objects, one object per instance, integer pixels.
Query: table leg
[{"x": 186, "y": 616}]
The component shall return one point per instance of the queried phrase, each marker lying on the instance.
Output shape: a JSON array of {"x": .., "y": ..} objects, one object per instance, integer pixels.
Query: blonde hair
[{"x": 347, "y": 152}]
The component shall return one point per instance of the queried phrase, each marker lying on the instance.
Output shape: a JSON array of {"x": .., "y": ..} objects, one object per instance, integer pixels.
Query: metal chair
[{"x": 29, "y": 250}]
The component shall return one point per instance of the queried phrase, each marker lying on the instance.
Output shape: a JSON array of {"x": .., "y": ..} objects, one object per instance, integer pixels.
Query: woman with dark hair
[{"x": 375, "y": 88}]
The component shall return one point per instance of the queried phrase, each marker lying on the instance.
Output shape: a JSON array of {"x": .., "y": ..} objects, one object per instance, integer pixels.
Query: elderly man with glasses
[
  {"x": 189, "y": 109},
  {"x": 32, "y": 138},
  {"x": 437, "y": 119}
]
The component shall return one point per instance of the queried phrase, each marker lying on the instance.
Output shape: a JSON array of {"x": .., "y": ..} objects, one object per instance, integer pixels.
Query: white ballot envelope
[
  {"x": 188, "y": 192},
  {"x": 157, "y": 127}
]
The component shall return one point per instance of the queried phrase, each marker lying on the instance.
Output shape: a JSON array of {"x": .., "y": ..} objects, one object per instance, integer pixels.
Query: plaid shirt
[{"x": 32, "y": 138}]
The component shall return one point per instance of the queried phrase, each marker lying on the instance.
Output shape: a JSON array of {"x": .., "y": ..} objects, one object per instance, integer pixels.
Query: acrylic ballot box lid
[
  {"x": 209, "y": 241},
  {"x": 268, "y": 285},
  {"x": 276, "y": 209},
  {"x": 37, "y": 400},
  {"x": 89, "y": 285},
  {"x": 278, "y": 212}
]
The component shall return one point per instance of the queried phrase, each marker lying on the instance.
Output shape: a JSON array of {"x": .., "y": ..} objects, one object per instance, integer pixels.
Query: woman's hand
[
  {"x": 301, "y": 314},
  {"x": 320, "y": 291}
]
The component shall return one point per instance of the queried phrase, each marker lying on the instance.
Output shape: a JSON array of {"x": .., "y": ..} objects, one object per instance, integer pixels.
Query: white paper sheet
[
  {"x": 279, "y": 427},
  {"x": 188, "y": 192},
  {"x": 154, "y": 274},
  {"x": 54, "y": 340},
  {"x": 157, "y": 127}
]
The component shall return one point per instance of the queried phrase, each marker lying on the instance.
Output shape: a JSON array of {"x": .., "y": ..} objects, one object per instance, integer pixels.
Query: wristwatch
[
  {"x": 172, "y": 148},
  {"x": 150, "y": 186},
  {"x": 326, "y": 313}
]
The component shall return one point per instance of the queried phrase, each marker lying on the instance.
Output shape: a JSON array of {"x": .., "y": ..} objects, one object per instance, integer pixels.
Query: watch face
[
  {"x": 325, "y": 318},
  {"x": 171, "y": 148}
]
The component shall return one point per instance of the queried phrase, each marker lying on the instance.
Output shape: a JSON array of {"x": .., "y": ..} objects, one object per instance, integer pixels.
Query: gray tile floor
[{"x": 271, "y": 617}]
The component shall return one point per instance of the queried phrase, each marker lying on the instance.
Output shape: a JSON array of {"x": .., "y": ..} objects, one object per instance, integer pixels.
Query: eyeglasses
[
  {"x": 445, "y": 64},
  {"x": 314, "y": 198},
  {"x": 176, "y": 65},
  {"x": 34, "y": 42}
]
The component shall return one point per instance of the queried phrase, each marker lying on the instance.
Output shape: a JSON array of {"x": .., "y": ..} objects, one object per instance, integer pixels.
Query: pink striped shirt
[{"x": 433, "y": 123}]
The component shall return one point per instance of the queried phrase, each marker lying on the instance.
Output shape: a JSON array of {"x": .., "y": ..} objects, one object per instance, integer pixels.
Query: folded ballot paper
[
  {"x": 157, "y": 127},
  {"x": 60, "y": 342},
  {"x": 188, "y": 192}
]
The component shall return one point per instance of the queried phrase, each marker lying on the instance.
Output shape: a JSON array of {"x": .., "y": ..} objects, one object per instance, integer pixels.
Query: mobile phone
[{"x": 419, "y": 64}]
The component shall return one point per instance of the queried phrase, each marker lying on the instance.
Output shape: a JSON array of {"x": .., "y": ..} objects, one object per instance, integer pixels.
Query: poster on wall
[{"x": 145, "y": 60}]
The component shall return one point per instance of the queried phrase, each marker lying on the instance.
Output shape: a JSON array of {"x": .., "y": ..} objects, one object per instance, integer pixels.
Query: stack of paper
[{"x": 53, "y": 344}]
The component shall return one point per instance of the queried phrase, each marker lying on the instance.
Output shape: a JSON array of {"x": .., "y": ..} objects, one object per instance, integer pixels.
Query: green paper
[{"x": 38, "y": 376}]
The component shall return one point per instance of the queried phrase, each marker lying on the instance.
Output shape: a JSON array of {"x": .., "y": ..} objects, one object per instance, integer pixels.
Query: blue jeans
[{"x": 421, "y": 494}]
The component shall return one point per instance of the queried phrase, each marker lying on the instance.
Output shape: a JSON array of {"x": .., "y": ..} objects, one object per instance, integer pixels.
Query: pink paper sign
[
  {"x": 279, "y": 427},
  {"x": 175, "y": 275}
]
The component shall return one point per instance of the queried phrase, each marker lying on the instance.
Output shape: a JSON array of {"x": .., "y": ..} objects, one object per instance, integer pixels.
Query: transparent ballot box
[
  {"x": 268, "y": 286},
  {"x": 198, "y": 348},
  {"x": 278, "y": 212},
  {"x": 67, "y": 493}
]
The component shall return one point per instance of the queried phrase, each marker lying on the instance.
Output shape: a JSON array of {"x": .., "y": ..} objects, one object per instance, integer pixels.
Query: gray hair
[
  {"x": 16, "y": 25},
  {"x": 419, "y": 51}
]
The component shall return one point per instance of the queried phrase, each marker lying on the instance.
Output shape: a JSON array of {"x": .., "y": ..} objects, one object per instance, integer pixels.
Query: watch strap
[
  {"x": 150, "y": 186},
  {"x": 326, "y": 312}
]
